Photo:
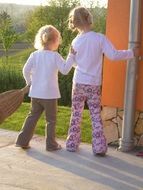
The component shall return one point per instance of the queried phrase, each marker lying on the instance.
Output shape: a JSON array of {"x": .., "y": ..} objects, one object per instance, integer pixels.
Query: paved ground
[{"x": 36, "y": 169}]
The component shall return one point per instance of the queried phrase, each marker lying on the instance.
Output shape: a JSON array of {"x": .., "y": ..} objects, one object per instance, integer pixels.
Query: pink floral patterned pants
[{"x": 91, "y": 94}]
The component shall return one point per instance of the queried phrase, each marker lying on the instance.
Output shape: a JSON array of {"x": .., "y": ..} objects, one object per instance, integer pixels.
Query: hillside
[
  {"x": 17, "y": 13},
  {"x": 16, "y": 10}
]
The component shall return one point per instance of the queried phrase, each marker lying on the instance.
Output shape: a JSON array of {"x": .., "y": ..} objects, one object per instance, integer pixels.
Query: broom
[{"x": 10, "y": 101}]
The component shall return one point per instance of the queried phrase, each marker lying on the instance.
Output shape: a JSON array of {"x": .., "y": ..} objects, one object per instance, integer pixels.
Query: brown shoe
[{"x": 58, "y": 147}]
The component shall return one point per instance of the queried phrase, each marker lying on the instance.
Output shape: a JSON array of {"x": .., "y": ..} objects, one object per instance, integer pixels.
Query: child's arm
[
  {"x": 64, "y": 66},
  {"x": 27, "y": 70},
  {"x": 114, "y": 54}
]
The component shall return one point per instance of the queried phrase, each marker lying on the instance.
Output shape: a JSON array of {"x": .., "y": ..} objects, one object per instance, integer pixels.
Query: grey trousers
[{"x": 37, "y": 108}]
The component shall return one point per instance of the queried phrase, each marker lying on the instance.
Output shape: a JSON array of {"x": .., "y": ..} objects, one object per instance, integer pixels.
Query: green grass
[
  {"x": 15, "y": 122},
  {"x": 17, "y": 59},
  {"x": 20, "y": 57}
]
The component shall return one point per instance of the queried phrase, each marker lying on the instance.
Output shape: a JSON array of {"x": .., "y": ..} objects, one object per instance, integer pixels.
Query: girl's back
[
  {"x": 89, "y": 55},
  {"x": 44, "y": 74},
  {"x": 88, "y": 47}
]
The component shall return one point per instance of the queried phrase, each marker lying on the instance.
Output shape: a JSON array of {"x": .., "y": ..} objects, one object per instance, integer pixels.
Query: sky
[{"x": 43, "y": 2}]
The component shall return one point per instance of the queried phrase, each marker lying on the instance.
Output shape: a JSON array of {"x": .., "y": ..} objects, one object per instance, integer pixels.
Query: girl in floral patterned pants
[
  {"x": 90, "y": 47},
  {"x": 91, "y": 94}
]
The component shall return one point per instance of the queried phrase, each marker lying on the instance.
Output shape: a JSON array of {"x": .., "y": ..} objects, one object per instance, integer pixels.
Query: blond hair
[
  {"x": 79, "y": 17},
  {"x": 45, "y": 35}
]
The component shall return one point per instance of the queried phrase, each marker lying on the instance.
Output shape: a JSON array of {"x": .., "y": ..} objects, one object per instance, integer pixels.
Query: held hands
[{"x": 72, "y": 51}]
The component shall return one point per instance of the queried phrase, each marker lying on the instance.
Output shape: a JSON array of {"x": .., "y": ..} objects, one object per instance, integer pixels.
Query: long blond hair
[
  {"x": 79, "y": 17},
  {"x": 46, "y": 34}
]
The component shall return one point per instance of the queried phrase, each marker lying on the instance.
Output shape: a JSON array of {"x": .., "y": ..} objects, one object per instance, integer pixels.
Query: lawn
[{"x": 15, "y": 122}]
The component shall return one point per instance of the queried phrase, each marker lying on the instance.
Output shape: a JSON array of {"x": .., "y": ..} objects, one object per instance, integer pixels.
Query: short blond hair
[
  {"x": 46, "y": 34},
  {"x": 79, "y": 17}
]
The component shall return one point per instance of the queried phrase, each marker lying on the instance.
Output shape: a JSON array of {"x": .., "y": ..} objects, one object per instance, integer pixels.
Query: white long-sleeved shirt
[
  {"x": 41, "y": 71},
  {"x": 90, "y": 48}
]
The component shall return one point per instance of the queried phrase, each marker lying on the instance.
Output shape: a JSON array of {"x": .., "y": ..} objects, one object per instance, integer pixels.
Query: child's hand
[
  {"x": 136, "y": 51},
  {"x": 72, "y": 51}
]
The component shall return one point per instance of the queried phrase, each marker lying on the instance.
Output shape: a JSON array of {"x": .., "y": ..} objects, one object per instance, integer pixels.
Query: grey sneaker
[
  {"x": 23, "y": 147},
  {"x": 58, "y": 147}
]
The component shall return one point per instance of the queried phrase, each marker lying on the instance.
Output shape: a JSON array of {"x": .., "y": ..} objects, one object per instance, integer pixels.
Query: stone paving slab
[{"x": 37, "y": 169}]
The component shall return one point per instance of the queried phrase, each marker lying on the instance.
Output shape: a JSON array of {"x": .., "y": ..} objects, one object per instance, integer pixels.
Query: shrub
[
  {"x": 11, "y": 78},
  {"x": 65, "y": 83}
]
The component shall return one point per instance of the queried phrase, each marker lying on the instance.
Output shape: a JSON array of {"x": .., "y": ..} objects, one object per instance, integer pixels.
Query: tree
[
  {"x": 56, "y": 13},
  {"x": 99, "y": 18},
  {"x": 7, "y": 33}
]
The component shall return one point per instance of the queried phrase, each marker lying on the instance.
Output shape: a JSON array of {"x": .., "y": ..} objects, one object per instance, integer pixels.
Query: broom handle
[{"x": 25, "y": 90}]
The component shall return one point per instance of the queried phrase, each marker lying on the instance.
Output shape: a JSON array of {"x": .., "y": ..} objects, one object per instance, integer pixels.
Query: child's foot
[
  {"x": 58, "y": 147},
  {"x": 71, "y": 150},
  {"x": 23, "y": 147}
]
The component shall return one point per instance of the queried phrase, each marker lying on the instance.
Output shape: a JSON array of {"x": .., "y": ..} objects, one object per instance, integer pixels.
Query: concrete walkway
[{"x": 37, "y": 169}]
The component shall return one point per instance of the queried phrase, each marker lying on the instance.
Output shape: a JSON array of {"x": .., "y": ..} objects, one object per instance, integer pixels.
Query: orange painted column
[{"x": 114, "y": 72}]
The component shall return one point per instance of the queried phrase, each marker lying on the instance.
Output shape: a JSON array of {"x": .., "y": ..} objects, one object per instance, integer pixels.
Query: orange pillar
[{"x": 114, "y": 72}]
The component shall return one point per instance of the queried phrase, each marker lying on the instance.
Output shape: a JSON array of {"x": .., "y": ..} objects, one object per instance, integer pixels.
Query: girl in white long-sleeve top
[
  {"x": 41, "y": 74},
  {"x": 90, "y": 47}
]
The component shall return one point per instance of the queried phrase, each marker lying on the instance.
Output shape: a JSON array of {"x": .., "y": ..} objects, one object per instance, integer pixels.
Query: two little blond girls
[{"x": 41, "y": 74}]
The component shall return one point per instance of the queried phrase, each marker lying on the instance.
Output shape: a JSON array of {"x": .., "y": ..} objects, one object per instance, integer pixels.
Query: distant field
[{"x": 17, "y": 47}]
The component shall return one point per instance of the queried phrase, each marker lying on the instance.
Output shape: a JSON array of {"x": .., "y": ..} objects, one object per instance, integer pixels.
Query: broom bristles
[{"x": 10, "y": 102}]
